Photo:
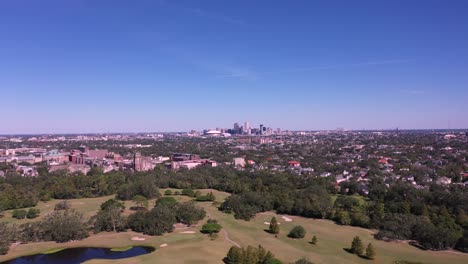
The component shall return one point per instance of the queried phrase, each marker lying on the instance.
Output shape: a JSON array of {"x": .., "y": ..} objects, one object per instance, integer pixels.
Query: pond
[{"x": 80, "y": 255}]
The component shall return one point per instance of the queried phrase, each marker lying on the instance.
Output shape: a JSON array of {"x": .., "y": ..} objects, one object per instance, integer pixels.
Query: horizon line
[{"x": 289, "y": 130}]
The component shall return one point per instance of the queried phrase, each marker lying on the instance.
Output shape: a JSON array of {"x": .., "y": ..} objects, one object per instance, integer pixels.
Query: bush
[
  {"x": 303, "y": 261},
  {"x": 210, "y": 228},
  {"x": 297, "y": 232},
  {"x": 33, "y": 213},
  {"x": 168, "y": 192},
  {"x": 62, "y": 205},
  {"x": 206, "y": 198},
  {"x": 19, "y": 214},
  {"x": 188, "y": 192},
  {"x": 166, "y": 201},
  {"x": 314, "y": 240}
]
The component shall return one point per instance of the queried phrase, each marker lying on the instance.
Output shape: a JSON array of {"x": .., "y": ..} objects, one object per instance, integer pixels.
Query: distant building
[
  {"x": 141, "y": 163},
  {"x": 190, "y": 164},
  {"x": 239, "y": 162},
  {"x": 294, "y": 163},
  {"x": 184, "y": 157}
]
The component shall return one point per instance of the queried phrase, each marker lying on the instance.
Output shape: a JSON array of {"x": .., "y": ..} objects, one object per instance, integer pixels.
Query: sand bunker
[
  {"x": 188, "y": 232},
  {"x": 163, "y": 245},
  {"x": 287, "y": 219},
  {"x": 267, "y": 223},
  {"x": 138, "y": 238}
]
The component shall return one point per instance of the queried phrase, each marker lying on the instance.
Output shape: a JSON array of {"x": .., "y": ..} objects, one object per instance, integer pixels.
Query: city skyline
[{"x": 168, "y": 66}]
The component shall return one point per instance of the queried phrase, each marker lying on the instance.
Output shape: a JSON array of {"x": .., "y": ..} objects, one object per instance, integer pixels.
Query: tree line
[{"x": 434, "y": 218}]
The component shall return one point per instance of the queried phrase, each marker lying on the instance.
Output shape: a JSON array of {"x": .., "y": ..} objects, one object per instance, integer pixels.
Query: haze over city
[{"x": 137, "y": 66}]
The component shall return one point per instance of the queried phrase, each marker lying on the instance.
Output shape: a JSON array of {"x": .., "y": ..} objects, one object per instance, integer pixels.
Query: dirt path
[{"x": 226, "y": 237}]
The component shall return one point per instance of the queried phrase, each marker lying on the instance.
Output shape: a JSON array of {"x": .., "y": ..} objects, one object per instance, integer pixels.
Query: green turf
[
  {"x": 199, "y": 248},
  {"x": 52, "y": 251},
  {"x": 121, "y": 249}
]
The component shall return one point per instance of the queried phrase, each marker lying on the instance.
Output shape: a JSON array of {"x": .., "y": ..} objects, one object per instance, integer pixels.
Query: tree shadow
[{"x": 351, "y": 252}]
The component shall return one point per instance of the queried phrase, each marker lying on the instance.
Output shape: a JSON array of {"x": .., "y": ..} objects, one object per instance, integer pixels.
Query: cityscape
[{"x": 234, "y": 132}]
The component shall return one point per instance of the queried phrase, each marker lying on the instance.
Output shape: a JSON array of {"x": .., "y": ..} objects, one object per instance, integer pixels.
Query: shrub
[
  {"x": 188, "y": 192},
  {"x": 303, "y": 261},
  {"x": 297, "y": 232},
  {"x": 166, "y": 201},
  {"x": 168, "y": 192},
  {"x": 19, "y": 214},
  {"x": 33, "y": 213},
  {"x": 62, "y": 205},
  {"x": 206, "y": 198},
  {"x": 314, "y": 240},
  {"x": 210, "y": 228}
]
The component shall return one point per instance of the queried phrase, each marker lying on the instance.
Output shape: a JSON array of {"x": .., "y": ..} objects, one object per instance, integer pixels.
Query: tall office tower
[
  {"x": 246, "y": 128},
  {"x": 278, "y": 131},
  {"x": 261, "y": 129},
  {"x": 236, "y": 128}
]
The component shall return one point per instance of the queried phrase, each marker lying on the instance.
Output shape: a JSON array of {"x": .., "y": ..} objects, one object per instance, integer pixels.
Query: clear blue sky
[{"x": 112, "y": 66}]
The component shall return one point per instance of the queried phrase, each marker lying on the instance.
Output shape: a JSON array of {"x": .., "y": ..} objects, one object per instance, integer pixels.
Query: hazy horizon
[{"x": 141, "y": 66}]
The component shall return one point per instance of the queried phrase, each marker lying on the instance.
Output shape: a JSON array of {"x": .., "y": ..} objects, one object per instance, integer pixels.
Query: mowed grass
[{"x": 199, "y": 248}]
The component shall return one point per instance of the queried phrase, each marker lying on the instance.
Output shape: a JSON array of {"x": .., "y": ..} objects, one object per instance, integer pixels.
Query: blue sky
[{"x": 125, "y": 66}]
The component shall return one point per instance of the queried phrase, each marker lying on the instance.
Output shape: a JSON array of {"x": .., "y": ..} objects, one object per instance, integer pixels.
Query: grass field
[{"x": 198, "y": 248}]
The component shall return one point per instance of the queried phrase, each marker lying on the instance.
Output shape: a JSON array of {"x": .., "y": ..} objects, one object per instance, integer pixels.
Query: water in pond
[{"x": 79, "y": 255}]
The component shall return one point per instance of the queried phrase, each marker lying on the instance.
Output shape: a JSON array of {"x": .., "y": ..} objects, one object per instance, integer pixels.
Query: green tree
[
  {"x": 343, "y": 218},
  {"x": 274, "y": 226},
  {"x": 189, "y": 214},
  {"x": 7, "y": 235},
  {"x": 110, "y": 218},
  {"x": 63, "y": 226},
  {"x": 233, "y": 256},
  {"x": 356, "y": 246},
  {"x": 297, "y": 232},
  {"x": 370, "y": 251},
  {"x": 140, "y": 201}
]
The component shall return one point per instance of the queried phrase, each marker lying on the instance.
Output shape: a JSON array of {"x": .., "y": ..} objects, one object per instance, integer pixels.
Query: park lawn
[
  {"x": 198, "y": 248},
  {"x": 90, "y": 206}
]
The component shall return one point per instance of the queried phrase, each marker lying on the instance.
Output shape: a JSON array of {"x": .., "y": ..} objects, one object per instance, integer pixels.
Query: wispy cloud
[
  {"x": 207, "y": 14},
  {"x": 414, "y": 91},
  {"x": 237, "y": 72},
  {"x": 254, "y": 75},
  {"x": 339, "y": 66},
  {"x": 381, "y": 62},
  {"x": 215, "y": 16}
]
